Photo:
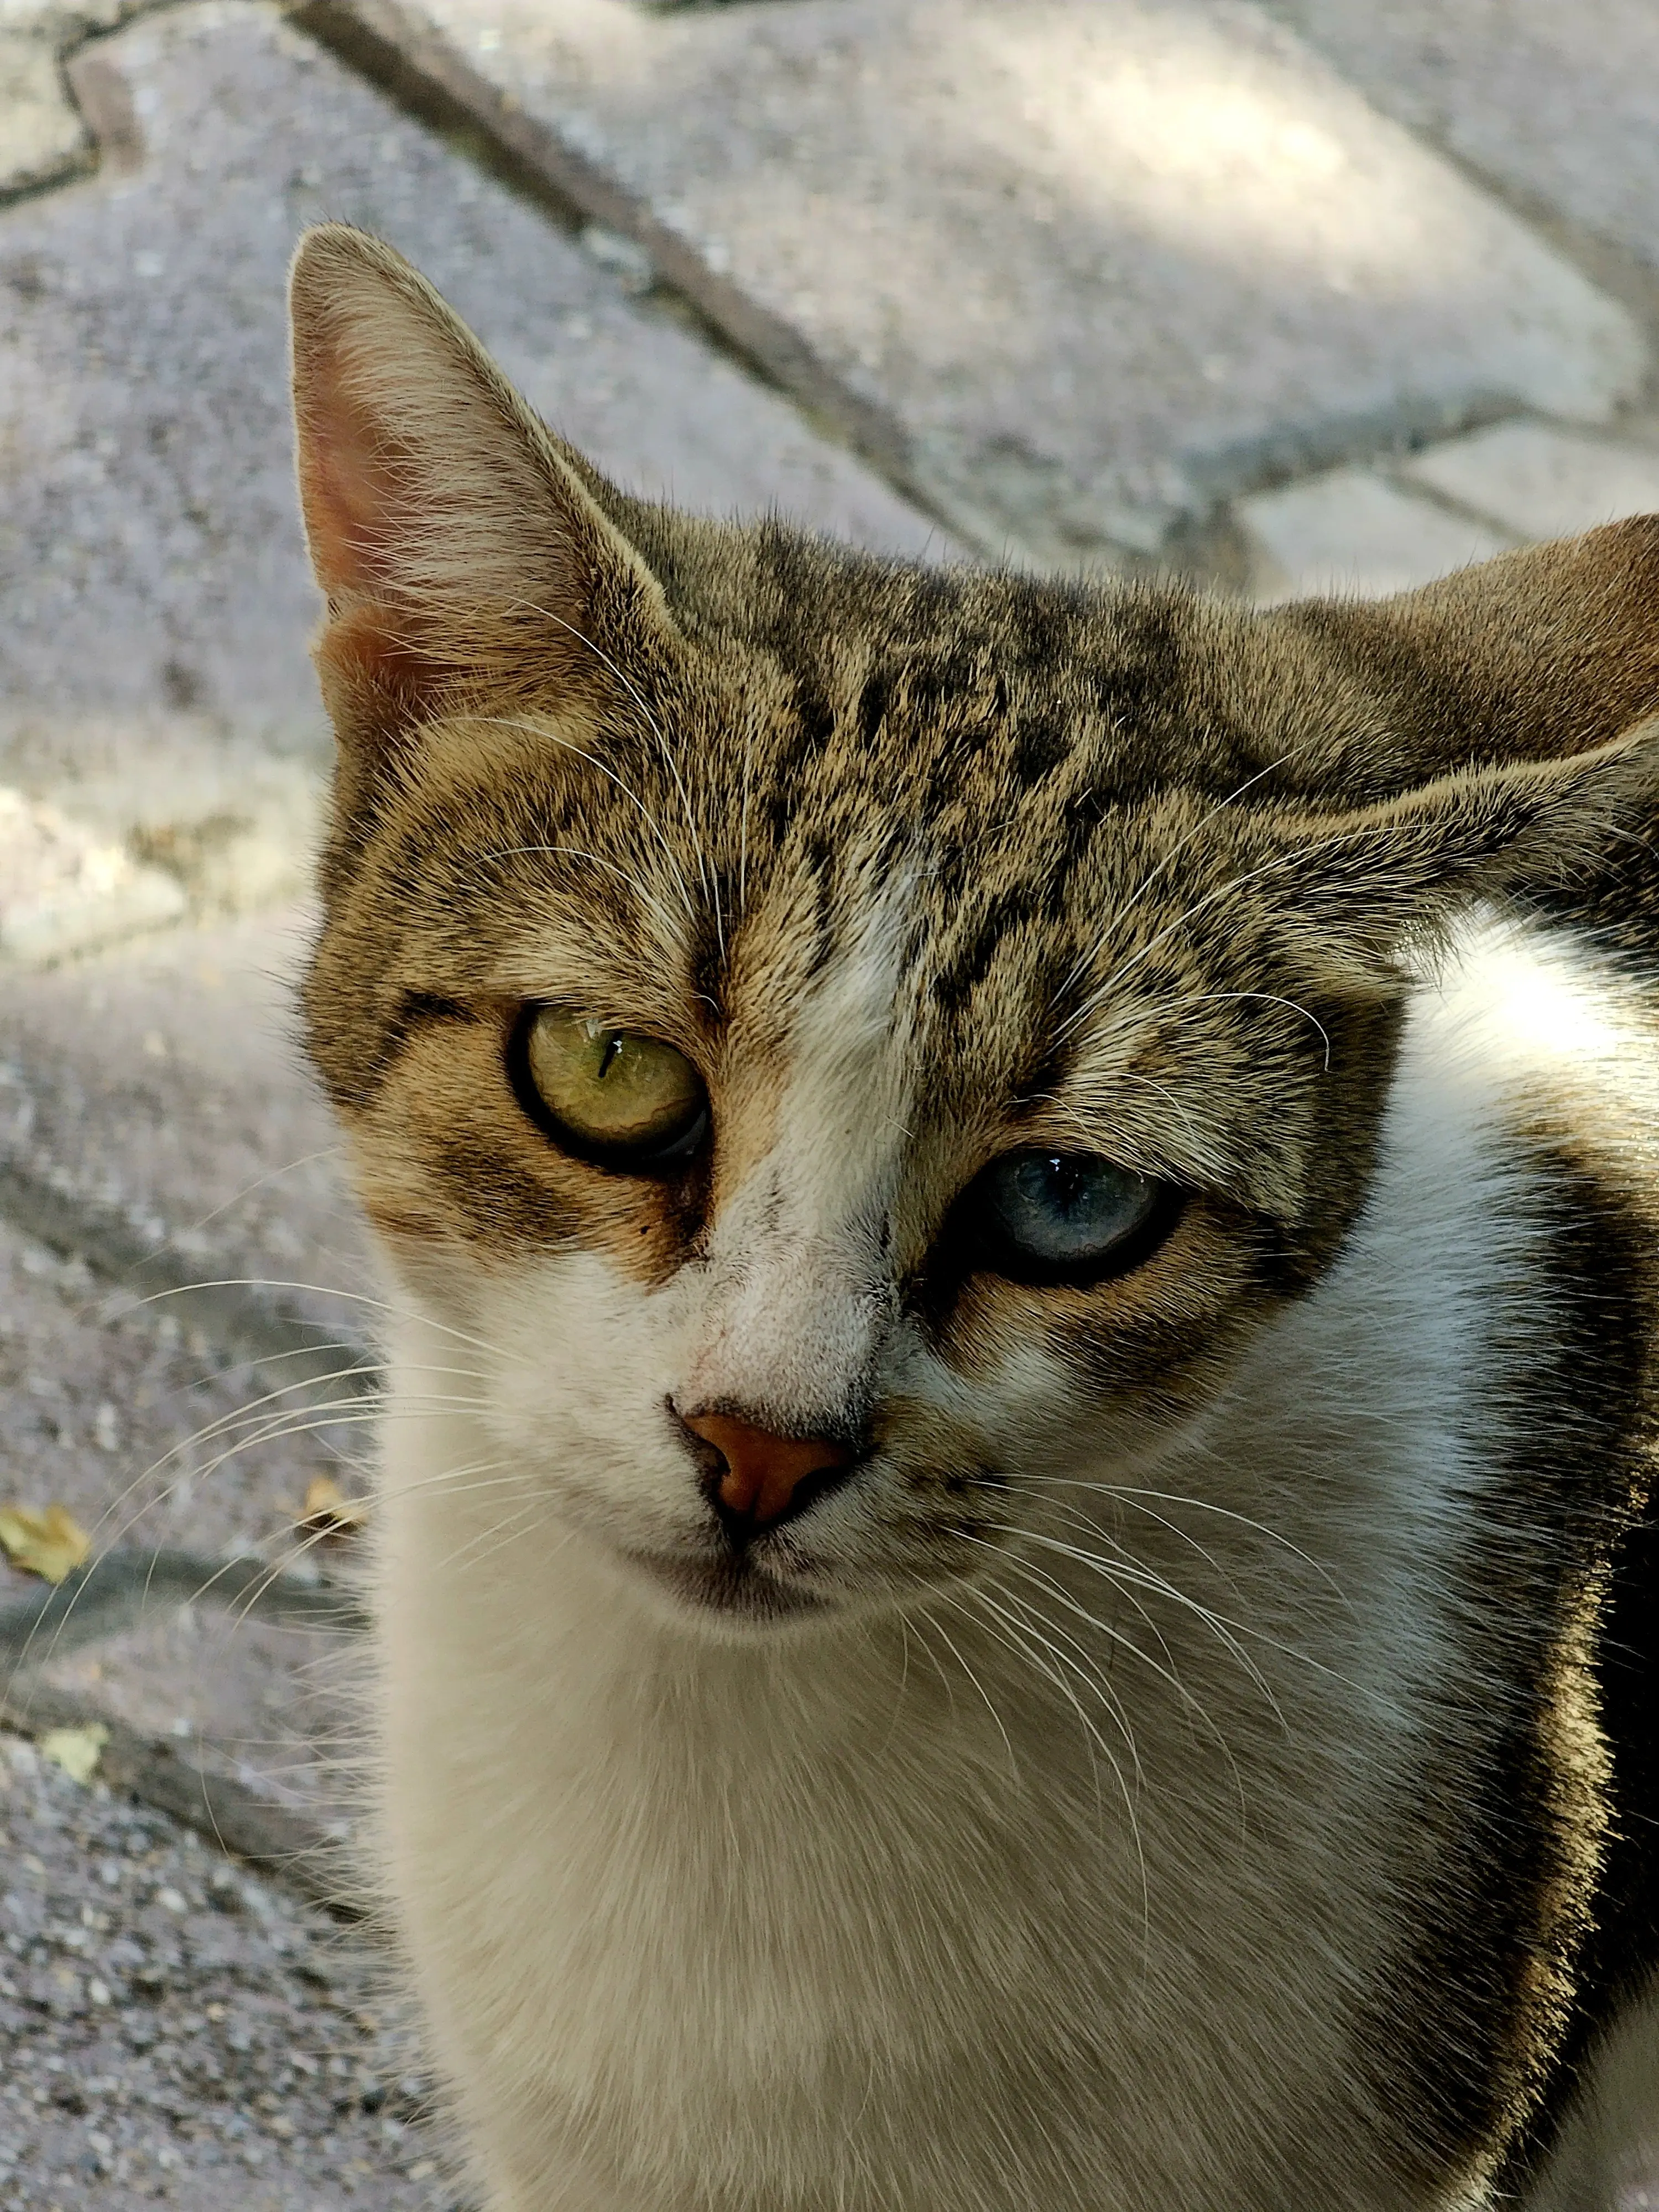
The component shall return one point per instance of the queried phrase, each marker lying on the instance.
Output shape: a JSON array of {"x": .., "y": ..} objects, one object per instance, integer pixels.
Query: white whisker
[
  {"x": 950, "y": 1645},
  {"x": 578, "y": 853},
  {"x": 1154, "y": 875},
  {"x": 552, "y": 738}
]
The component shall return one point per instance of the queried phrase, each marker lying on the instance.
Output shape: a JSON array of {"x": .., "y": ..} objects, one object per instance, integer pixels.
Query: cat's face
[
  {"x": 939, "y": 1017},
  {"x": 864, "y": 979}
]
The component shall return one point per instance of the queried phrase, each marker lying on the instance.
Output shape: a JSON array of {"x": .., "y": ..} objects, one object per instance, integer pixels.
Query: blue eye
[{"x": 1061, "y": 1217}]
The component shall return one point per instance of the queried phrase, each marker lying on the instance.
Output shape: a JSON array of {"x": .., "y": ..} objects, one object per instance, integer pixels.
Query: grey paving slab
[
  {"x": 161, "y": 1082},
  {"x": 1099, "y": 262},
  {"x": 158, "y": 1085},
  {"x": 271, "y": 1707},
  {"x": 64, "y": 887},
  {"x": 1352, "y": 530},
  {"x": 1541, "y": 481},
  {"x": 44, "y": 129},
  {"x": 61, "y": 23},
  {"x": 154, "y": 599},
  {"x": 1558, "y": 102}
]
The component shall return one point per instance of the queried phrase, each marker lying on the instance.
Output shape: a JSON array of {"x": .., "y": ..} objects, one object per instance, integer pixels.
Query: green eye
[{"x": 608, "y": 1094}]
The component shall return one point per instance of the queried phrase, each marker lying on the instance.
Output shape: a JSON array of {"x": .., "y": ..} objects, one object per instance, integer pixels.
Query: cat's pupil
[{"x": 1066, "y": 1181}]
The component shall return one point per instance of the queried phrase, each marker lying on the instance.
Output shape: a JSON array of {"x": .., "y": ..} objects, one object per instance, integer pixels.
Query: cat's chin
[{"x": 727, "y": 1593}]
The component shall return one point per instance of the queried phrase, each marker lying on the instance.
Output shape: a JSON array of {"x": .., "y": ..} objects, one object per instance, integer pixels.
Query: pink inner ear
[{"x": 348, "y": 485}]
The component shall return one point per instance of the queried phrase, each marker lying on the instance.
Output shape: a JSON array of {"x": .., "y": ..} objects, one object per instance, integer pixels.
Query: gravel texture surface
[{"x": 178, "y": 2032}]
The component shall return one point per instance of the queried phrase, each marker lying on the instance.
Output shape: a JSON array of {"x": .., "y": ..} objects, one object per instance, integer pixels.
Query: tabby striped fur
[{"x": 1207, "y": 1756}]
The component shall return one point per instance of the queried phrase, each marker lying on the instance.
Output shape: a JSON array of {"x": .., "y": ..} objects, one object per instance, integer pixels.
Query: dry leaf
[
  {"x": 76, "y": 1750},
  {"x": 49, "y": 1543},
  {"x": 328, "y": 1511}
]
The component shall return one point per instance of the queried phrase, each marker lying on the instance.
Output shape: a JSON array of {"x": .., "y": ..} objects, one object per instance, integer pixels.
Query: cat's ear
[
  {"x": 457, "y": 548},
  {"x": 1356, "y": 888},
  {"x": 1549, "y": 650}
]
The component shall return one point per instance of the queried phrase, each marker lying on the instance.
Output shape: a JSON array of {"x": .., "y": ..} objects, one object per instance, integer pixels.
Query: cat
[{"x": 1012, "y": 1560}]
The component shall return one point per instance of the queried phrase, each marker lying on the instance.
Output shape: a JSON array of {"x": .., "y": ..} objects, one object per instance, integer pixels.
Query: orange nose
[{"x": 761, "y": 1476}]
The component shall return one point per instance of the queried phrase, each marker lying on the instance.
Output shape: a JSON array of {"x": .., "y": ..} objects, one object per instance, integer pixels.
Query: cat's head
[{"x": 852, "y": 1046}]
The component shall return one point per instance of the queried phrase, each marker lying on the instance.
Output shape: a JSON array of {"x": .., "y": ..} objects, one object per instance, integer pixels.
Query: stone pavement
[
  {"x": 1557, "y": 106},
  {"x": 1288, "y": 296},
  {"x": 1095, "y": 265}
]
